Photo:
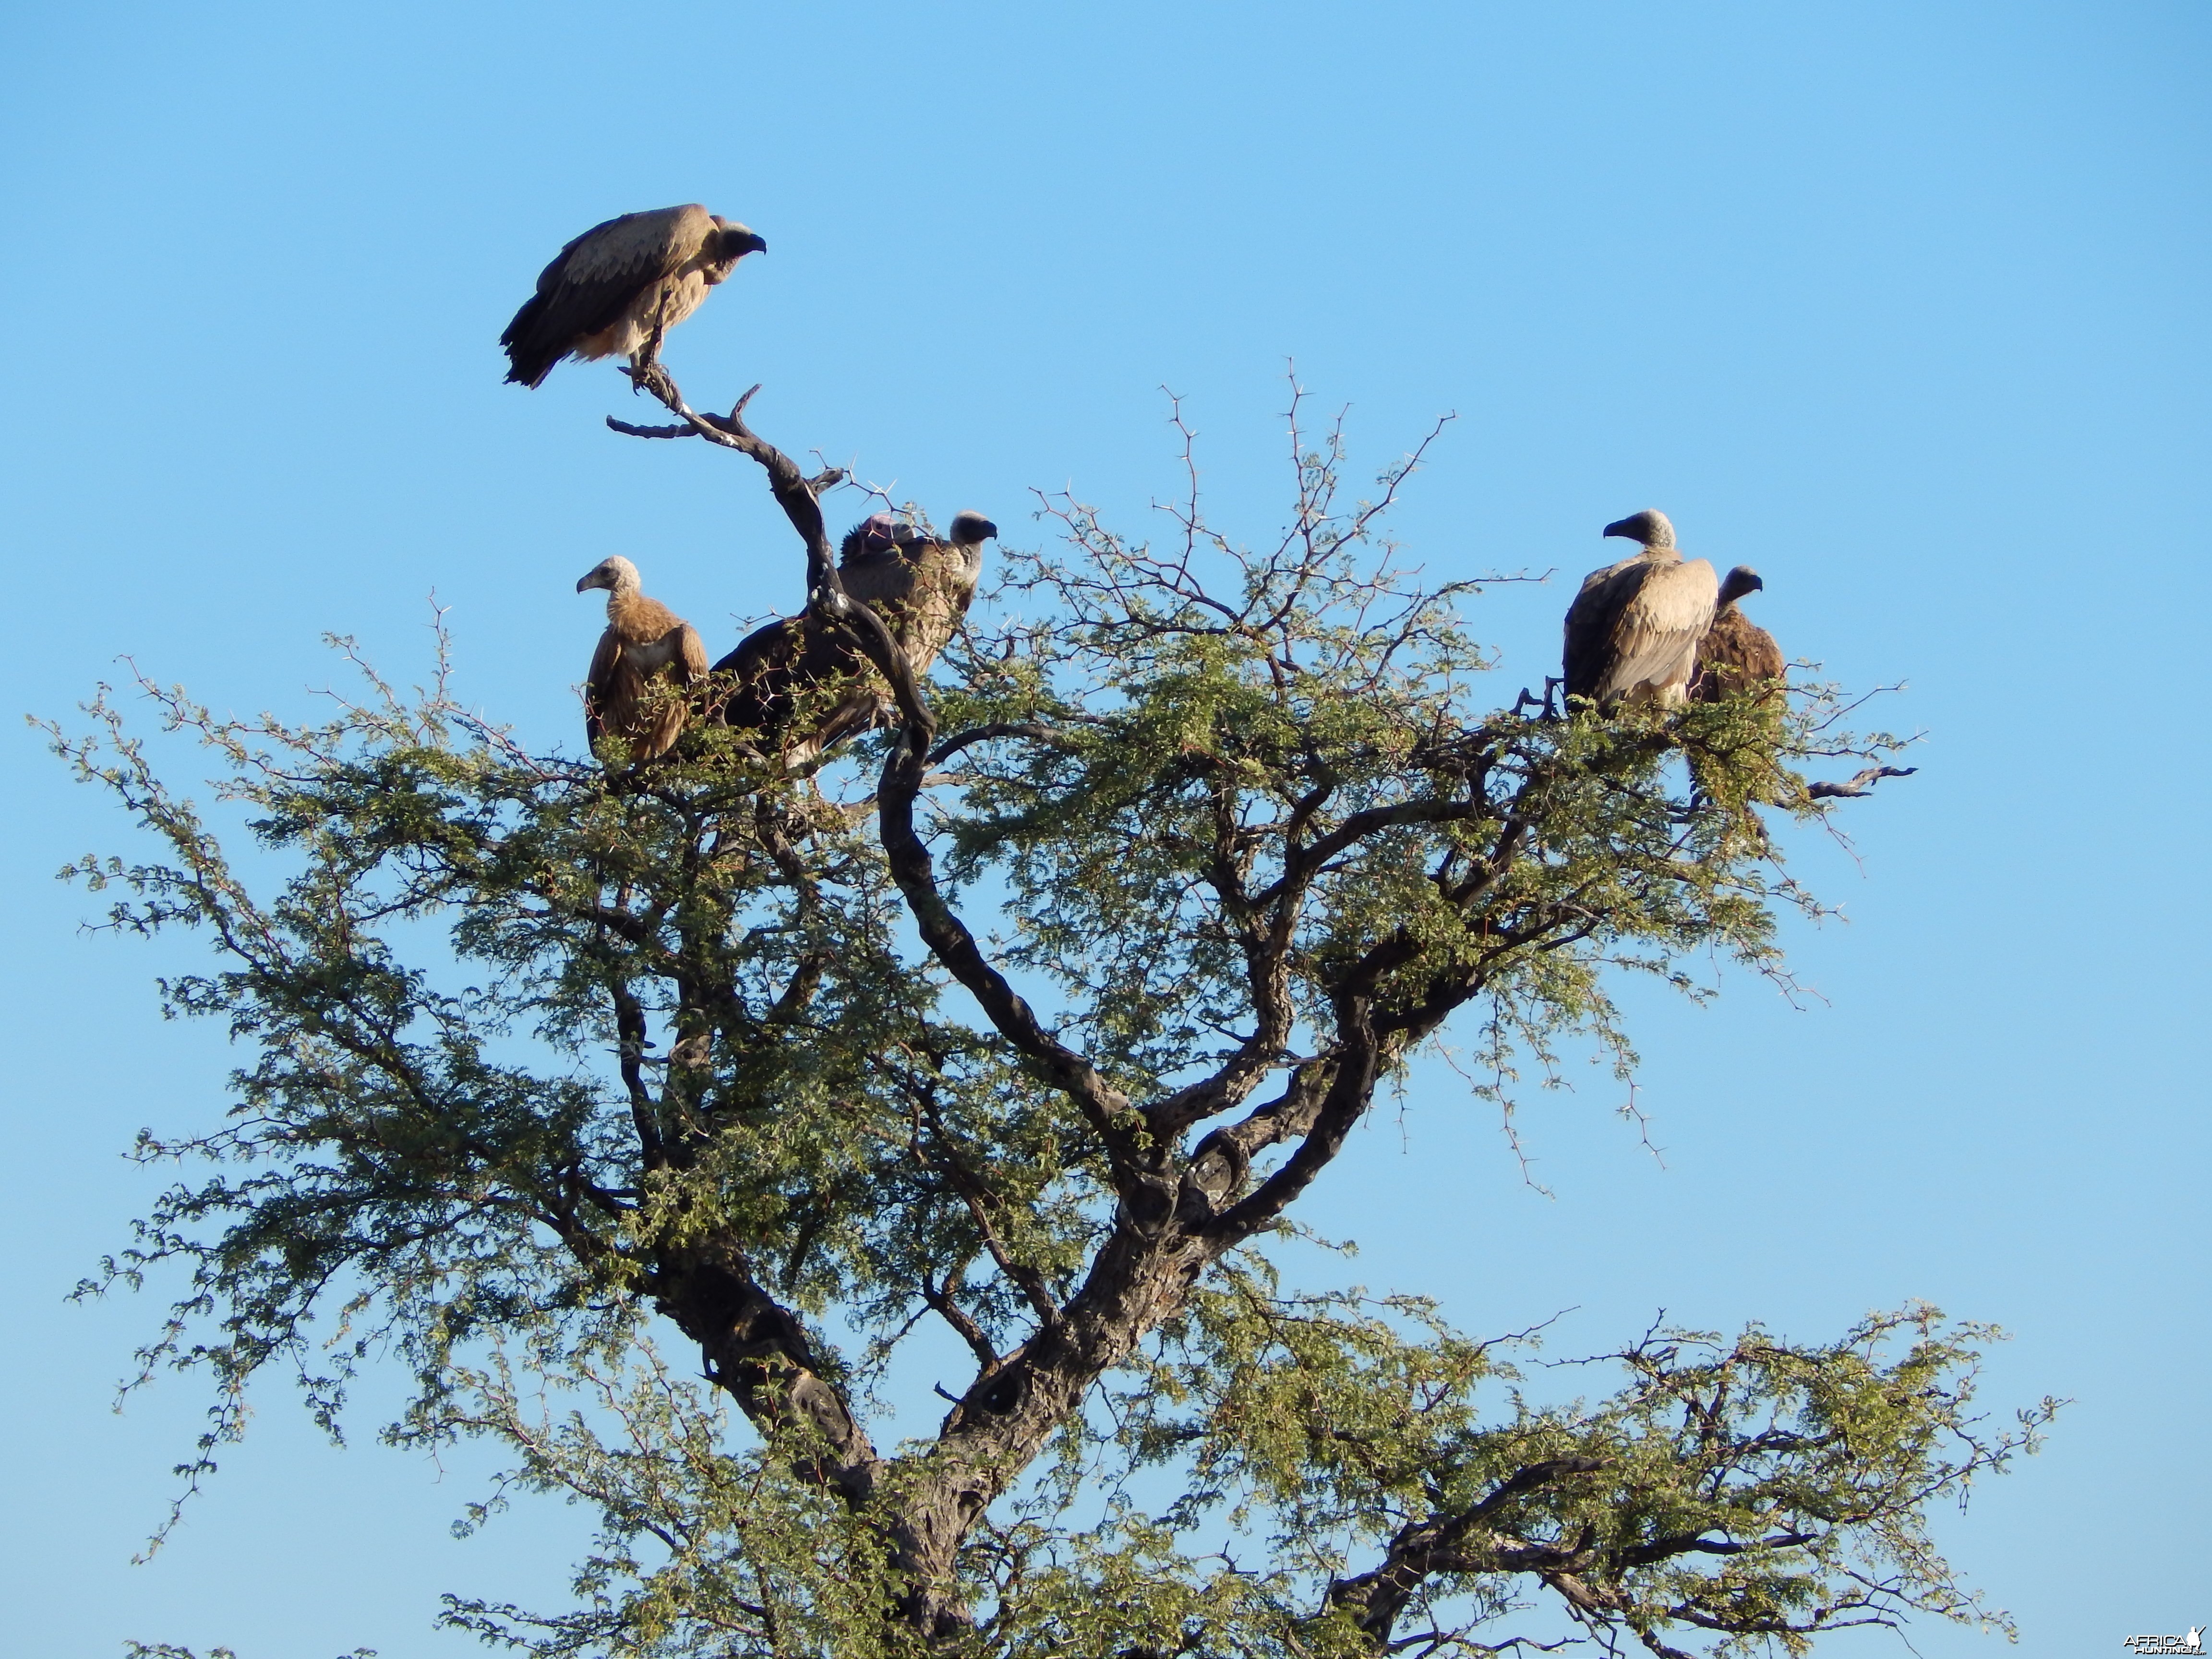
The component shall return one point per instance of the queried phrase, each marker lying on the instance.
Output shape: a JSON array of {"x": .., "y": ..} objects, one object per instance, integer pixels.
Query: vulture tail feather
[{"x": 529, "y": 363}]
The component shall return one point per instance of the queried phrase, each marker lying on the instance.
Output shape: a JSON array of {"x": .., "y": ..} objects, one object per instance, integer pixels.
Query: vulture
[
  {"x": 645, "y": 642},
  {"x": 1736, "y": 653},
  {"x": 620, "y": 286},
  {"x": 1634, "y": 626},
  {"x": 919, "y": 585}
]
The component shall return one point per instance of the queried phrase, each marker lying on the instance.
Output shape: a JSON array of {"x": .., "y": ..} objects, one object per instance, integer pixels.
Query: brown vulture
[
  {"x": 645, "y": 642},
  {"x": 1736, "y": 653},
  {"x": 1633, "y": 628},
  {"x": 919, "y": 585},
  {"x": 620, "y": 286}
]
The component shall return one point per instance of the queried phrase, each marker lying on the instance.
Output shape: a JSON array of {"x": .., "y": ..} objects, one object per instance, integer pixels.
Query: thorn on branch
[{"x": 1861, "y": 785}]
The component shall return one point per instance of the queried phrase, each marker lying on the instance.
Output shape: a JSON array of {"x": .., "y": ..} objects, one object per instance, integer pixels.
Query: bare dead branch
[{"x": 1862, "y": 784}]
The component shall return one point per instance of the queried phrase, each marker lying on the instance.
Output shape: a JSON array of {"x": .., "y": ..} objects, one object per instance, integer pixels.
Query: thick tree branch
[
  {"x": 950, "y": 941},
  {"x": 630, "y": 1034},
  {"x": 1355, "y": 1063},
  {"x": 1423, "y": 1548},
  {"x": 1304, "y": 861},
  {"x": 757, "y": 1352},
  {"x": 1221, "y": 1161}
]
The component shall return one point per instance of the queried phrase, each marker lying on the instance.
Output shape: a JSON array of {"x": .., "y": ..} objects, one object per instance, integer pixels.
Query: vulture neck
[{"x": 633, "y": 616}]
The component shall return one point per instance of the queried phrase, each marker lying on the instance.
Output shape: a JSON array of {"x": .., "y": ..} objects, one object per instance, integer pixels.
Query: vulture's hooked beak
[
  {"x": 751, "y": 242},
  {"x": 590, "y": 580},
  {"x": 1626, "y": 527}
]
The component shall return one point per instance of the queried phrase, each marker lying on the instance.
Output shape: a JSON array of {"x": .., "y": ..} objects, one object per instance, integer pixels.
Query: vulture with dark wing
[
  {"x": 620, "y": 286},
  {"x": 1633, "y": 629},
  {"x": 1736, "y": 653},
  {"x": 647, "y": 656},
  {"x": 919, "y": 585}
]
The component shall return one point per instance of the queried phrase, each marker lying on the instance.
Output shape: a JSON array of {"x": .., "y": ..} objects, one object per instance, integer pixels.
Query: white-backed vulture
[
  {"x": 1633, "y": 628},
  {"x": 620, "y": 286},
  {"x": 645, "y": 642},
  {"x": 919, "y": 585},
  {"x": 1736, "y": 653}
]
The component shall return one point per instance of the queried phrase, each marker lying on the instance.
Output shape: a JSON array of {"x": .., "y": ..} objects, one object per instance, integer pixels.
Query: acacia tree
[{"x": 1035, "y": 1020}]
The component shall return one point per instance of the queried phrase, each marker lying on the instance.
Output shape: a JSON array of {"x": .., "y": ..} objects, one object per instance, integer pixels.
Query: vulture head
[
  {"x": 1738, "y": 583},
  {"x": 616, "y": 575},
  {"x": 968, "y": 532},
  {"x": 1649, "y": 527},
  {"x": 731, "y": 242},
  {"x": 971, "y": 529}
]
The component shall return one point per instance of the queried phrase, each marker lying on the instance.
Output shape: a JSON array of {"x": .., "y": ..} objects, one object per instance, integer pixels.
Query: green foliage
[{"x": 539, "y": 1059}]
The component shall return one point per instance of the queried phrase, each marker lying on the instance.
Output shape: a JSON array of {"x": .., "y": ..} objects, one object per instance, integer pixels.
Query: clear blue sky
[{"x": 1904, "y": 303}]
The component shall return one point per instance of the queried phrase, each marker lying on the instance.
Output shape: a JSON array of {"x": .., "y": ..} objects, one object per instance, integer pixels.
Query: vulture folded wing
[
  {"x": 1590, "y": 621},
  {"x": 595, "y": 279},
  {"x": 771, "y": 666},
  {"x": 690, "y": 664},
  {"x": 1736, "y": 654},
  {"x": 1762, "y": 658},
  {"x": 800, "y": 688},
  {"x": 610, "y": 691},
  {"x": 661, "y": 720},
  {"x": 664, "y": 708},
  {"x": 766, "y": 649},
  {"x": 874, "y": 575},
  {"x": 1654, "y": 638}
]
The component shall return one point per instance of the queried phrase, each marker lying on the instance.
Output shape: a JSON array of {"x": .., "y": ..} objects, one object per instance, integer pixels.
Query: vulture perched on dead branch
[
  {"x": 1633, "y": 629},
  {"x": 921, "y": 585},
  {"x": 636, "y": 689},
  {"x": 620, "y": 286},
  {"x": 1736, "y": 653}
]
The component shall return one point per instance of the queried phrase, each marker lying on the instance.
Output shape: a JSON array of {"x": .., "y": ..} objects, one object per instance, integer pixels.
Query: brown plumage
[
  {"x": 1736, "y": 653},
  {"x": 647, "y": 656},
  {"x": 919, "y": 585},
  {"x": 620, "y": 286},
  {"x": 1633, "y": 628}
]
